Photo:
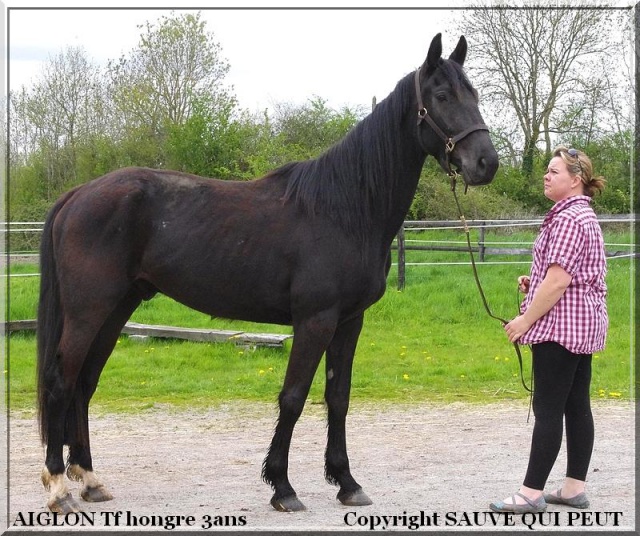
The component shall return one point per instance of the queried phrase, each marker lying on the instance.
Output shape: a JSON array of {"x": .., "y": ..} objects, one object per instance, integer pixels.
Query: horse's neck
[
  {"x": 402, "y": 197},
  {"x": 403, "y": 162}
]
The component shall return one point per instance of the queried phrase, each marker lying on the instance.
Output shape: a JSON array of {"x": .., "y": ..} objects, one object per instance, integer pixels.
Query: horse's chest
[{"x": 366, "y": 287}]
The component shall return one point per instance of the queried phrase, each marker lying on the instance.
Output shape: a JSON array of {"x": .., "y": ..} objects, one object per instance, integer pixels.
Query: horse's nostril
[{"x": 487, "y": 167}]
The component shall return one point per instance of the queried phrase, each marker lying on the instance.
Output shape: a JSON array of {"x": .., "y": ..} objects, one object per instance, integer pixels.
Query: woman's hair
[{"x": 579, "y": 164}]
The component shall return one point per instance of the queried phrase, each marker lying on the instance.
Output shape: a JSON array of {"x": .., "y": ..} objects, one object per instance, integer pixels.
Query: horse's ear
[
  {"x": 460, "y": 53},
  {"x": 435, "y": 52}
]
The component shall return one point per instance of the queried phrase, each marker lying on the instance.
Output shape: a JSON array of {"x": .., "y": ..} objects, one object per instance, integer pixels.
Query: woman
[{"x": 564, "y": 318}]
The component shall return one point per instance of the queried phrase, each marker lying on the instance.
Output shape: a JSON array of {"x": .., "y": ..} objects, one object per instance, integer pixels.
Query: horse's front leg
[
  {"x": 310, "y": 340},
  {"x": 338, "y": 386}
]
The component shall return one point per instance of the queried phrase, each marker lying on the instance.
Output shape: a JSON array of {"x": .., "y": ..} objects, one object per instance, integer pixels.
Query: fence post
[
  {"x": 481, "y": 246},
  {"x": 401, "y": 262}
]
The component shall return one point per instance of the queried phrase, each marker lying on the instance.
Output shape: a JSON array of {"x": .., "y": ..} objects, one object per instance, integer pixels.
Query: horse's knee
[{"x": 291, "y": 405}]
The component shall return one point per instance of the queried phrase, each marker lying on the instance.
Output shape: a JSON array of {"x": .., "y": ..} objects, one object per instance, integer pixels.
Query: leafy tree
[
  {"x": 312, "y": 127},
  {"x": 175, "y": 63},
  {"x": 208, "y": 142},
  {"x": 64, "y": 107}
]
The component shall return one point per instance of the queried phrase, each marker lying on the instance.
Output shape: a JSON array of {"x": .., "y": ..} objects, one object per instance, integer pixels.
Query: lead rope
[{"x": 453, "y": 175}]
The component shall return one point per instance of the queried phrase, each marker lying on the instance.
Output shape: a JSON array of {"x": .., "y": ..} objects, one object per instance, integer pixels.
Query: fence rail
[
  {"x": 483, "y": 247},
  {"x": 30, "y": 232}
]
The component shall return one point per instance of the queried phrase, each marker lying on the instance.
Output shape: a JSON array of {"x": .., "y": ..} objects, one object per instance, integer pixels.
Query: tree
[
  {"x": 175, "y": 62},
  {"x": 208, "y": 142},
  {"x": 64, "y": 108},
  {"x": 312, "y": 127},
  {"x": 535, "y": 65}
]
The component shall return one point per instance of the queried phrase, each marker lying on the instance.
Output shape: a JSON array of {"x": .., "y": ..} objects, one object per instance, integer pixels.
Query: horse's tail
[{"x": 49, "y": 322}]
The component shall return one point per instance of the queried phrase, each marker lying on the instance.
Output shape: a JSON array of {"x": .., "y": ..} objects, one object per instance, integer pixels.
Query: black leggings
[{"x": 561, "y": 389}]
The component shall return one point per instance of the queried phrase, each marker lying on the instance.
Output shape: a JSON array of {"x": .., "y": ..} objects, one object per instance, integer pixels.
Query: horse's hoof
[
  {"x": 96, "y": 494},
  {"x": 64, "y": 505},
  {"x": 354, "y": 498},
  {"x": 288, "y": 504}
]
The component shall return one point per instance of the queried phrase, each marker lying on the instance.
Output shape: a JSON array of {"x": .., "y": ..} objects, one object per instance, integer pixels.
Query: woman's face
[{"x": 559, "y": 183}]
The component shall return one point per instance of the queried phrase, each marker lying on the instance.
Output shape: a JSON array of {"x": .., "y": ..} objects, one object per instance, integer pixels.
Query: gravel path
[{"x": 442, "y": 464}]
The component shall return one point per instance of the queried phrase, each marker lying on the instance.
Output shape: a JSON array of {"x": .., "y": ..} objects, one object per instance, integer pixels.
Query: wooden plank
[
  {"x": 171, "y": 332},
  {"x": 260, "y": 339}
]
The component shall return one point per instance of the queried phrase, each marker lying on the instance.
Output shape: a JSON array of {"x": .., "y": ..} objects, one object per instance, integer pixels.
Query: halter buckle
[{"x": 449, "y": 145}]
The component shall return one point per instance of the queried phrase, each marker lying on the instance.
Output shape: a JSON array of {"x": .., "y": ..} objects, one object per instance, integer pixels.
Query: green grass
[{"x": 431, "y": 342}]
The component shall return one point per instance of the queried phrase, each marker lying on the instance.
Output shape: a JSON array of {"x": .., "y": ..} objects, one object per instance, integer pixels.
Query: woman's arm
[{"x": 546, "y": 296}]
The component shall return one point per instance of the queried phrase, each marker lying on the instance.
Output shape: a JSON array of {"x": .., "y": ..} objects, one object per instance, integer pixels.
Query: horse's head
[{"x": 450, "y": 126}]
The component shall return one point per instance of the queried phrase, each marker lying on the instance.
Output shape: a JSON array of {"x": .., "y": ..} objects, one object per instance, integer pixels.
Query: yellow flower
[
  {"x": 405, "y": 376},
  {"x": 261, "y": 372},
  {"x": 615, "y": 394}
]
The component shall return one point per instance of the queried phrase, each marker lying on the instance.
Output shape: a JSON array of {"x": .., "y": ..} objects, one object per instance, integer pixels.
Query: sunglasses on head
[{"x": 574, "y": 154}]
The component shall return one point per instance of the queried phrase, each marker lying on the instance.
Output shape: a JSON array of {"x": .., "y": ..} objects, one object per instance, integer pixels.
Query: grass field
[{"x": 431, "y": 342}]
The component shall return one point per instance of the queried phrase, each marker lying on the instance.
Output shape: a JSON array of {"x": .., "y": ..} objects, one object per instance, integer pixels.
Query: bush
[{"x": 434, "y": 200}]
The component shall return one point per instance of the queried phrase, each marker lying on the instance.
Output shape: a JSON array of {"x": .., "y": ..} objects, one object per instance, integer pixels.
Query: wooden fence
[
  {"x": 29, "y": 234},
  {"x": 482, "y": 248}
]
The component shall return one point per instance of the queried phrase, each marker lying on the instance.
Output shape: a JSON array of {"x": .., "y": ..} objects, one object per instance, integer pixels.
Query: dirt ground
[{"x": 442, "y": 464}]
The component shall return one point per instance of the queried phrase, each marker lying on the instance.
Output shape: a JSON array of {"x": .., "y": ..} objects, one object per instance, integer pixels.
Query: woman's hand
[
  {"x": 517, "y": 328},
  {"x": 523, "y": 284}
]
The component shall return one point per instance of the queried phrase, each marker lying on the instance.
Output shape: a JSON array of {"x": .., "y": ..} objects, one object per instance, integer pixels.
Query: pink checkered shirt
[{"x": 571, "y": 237}]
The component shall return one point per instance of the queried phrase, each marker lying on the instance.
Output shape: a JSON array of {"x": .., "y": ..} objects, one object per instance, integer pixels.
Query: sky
[{"x": 276, "y": 56}]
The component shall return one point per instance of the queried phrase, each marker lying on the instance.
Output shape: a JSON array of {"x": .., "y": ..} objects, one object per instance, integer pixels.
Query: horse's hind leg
[
  {"x": 339, "y": 363},
  {"x": 80, "y": 465},
  {"x": 60, "y": 390}
]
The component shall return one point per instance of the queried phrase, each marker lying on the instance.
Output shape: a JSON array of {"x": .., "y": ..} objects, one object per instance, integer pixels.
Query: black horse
[{"x": 308, "y": 245}]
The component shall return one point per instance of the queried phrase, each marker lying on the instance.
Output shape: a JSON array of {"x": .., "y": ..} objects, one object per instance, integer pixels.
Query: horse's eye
[{"x": 441, "y": 97}]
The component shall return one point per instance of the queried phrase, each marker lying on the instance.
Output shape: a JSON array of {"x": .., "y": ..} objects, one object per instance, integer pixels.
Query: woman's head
[{"x": 579, "y": 165}]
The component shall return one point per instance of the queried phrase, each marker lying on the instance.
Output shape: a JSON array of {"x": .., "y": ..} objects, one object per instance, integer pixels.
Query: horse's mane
[{"x": 353, "y": 180}]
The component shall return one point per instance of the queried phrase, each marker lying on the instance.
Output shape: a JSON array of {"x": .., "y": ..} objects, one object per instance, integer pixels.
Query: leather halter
[{"x": 449, "y": 141}]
